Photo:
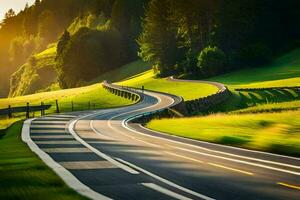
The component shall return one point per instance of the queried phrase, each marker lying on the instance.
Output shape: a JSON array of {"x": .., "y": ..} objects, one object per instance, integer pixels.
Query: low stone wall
[{"x": 205, "y": 103}]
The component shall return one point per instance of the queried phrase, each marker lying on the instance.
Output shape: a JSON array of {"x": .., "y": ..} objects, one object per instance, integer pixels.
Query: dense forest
[
  {"x": 198, "y": 38},
  {"x": 208, "y": 37}
]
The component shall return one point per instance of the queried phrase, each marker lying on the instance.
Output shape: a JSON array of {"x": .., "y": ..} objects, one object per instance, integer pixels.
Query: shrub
[{"x": 211, "y": 61}]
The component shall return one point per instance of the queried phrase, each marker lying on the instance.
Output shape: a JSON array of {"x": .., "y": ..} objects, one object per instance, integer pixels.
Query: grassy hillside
[
  {"x": 24, "y": 175},
  {"x": 81, "y": 96},
  {"x": 125, "y": 72},
  {"x": 284, "y": 71},
  {"x": 187, "y": 90},
  {"x": 265, "y": 120},
  {"x": 35, "y": 75}
]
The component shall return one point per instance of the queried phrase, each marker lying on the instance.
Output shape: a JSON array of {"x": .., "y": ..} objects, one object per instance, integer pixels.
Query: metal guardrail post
[{"x": 72, "y": 105}]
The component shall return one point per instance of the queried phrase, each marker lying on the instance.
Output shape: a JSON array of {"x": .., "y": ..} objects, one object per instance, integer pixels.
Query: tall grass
[{"x": 272, "y": 132}]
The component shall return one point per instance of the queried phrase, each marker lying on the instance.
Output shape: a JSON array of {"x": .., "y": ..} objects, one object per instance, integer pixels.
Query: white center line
[{"x": 165, "y": 191}]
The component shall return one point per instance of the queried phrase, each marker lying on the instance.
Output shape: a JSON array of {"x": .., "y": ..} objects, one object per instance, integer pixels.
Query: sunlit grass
[
  {"x": 125, "y": 72},
  {"x": 273, "y": 132},
  {"x": 5, "y": 123},
  {"x": 24, "y": 175},
  {"x": 284, "y": 71},
  {"x": 80, "y": 96},
  {"x": 271, "y": 107},
  {"x": 185, "y": 89}
]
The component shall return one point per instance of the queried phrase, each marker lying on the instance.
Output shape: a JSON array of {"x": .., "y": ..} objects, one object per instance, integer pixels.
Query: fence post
[
  {"x": 27, "y": 110},
  {"x": 72, "y": 106},
  {"x": 42, "y": 108},
  {"x": 89, "y": 105},
  {"x": 57, "y": 108},
  {"x": 9, "y": 112}
]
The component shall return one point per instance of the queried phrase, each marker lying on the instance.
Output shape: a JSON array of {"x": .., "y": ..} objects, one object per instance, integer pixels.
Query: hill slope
[
  {"x": 284, "y": 71},
  {"x": 257, "y": 127},
  {"x": 35, "y": 75},
  {"x": 187, "y": 90}
]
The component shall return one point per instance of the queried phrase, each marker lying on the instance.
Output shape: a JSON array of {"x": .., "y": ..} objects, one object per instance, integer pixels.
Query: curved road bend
[{"x": 123, "y": 160}]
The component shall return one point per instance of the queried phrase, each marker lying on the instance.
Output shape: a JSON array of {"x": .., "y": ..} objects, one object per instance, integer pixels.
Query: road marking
[
  {"x": 98, "y": 132},
  {"x": 220, "y": 152},
  {"x": 166, "y": 181},
  {"x": 96, "y": 151},
  {"x": 165, "y": 191},
  {"x": 66, "y": 150},
  {"x": 53, "y": 142},
  {"x": 66, "y": 176},
  {"x": 49, "y": 122},
  {"x": 289, "y": 185},
  {"x": 180, "y": 156},
  {"x": 109, "y": 123},
  {"x": 216, "y": 165},
  {"x": 232, "y": 169},
  {"x": 240, "y": 161},
  {"x": 80, "y": 165},
  {"x": 127, "y": 135},
  {"x": 51, "y": 136}
]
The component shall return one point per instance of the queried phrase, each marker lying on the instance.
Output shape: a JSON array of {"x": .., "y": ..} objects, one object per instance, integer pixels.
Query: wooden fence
[{"x": 24, "y": 109}]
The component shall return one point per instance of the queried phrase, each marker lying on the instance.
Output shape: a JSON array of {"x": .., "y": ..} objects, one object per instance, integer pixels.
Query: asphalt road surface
[{"x": 123, "y": 160}]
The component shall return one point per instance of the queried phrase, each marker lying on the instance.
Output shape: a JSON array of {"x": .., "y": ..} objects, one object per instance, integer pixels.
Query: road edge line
[{"x": 64, "y": 174}]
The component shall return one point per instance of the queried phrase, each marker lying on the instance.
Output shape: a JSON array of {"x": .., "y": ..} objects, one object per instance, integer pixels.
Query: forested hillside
[
  {"x": 199, "y": 38},
  {"x": 102, "y": 32},
  {"x": 210, "y": 37}
]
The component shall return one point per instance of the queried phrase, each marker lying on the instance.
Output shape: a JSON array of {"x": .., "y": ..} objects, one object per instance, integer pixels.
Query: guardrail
[
  {"x": 119, "y": 91},
  {"x": 24, "y": 109},
  {"x": 181, "y": 107},
  {"x": 174, "y": 110}
]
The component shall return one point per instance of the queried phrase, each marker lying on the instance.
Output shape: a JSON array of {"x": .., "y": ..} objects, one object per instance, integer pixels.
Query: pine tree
[{"x": 158, "y": 39}]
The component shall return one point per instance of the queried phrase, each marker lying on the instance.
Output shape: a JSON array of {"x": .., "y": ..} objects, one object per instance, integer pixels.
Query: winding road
[{"x": 103, "y": 155}]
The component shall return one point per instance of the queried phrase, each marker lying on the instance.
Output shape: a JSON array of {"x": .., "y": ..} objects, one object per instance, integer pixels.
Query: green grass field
[
  {"x": 272, "y": 132},
  {"x": 5, "y": 123},
  {"x": 80, "y": 96},
  {"x": 24, "y": 175},
  {"x": 265, "y": 120},
  {"x": 284, "y": 71},
  {"x": 187, "y": 90}
]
